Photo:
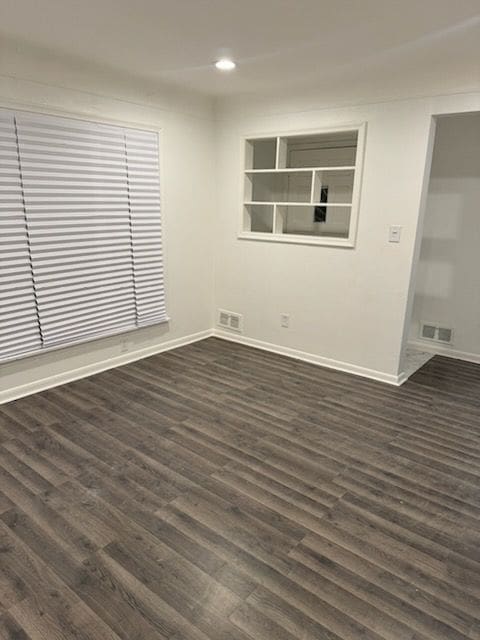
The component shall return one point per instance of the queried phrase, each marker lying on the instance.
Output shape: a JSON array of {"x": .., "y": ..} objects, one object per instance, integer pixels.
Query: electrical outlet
[
  {"x": 285, "y": 320},
  {"x": 124, "y": 348}
]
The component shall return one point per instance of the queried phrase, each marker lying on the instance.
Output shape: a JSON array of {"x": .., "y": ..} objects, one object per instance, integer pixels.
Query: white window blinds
[
  {"x": 81, "y": 232},
  {"x": 19, "y": 328}
]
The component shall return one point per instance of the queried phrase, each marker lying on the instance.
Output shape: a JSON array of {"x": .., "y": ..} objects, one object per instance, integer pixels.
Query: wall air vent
[
  {"x": 229, "y": 320},
  {"x": 444, "y": 335},
  {"x": 429, "y": 331},
  {"x": 435, "y": 333},
  {"x": 224, "y": 319}
]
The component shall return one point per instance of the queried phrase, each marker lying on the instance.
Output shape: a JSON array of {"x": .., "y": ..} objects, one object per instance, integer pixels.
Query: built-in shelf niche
[
  {"x": 336, "y": 149},
  {"x": 275, "y": 186},
  {"x": 307, "y": 220},
  {"x": 303, "y": 187},
  {"x": 261, "y": 153},
  {"x": 259, "y": 217}
]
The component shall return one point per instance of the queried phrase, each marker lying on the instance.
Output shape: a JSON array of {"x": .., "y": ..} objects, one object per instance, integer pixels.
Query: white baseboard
[
  {"x": 445, "y": 351},
  {"x": 96, "y": 367},
  {"x": 401, "y": 378},
  {"x": 312, "y": 358}
]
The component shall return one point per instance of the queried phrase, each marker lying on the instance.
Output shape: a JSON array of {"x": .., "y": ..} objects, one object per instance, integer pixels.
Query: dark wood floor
[{"x": 218, "y": 492}]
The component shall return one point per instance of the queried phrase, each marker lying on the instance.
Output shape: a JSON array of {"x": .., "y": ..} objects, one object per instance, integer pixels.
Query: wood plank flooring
[{"x": 217, "y": 492}]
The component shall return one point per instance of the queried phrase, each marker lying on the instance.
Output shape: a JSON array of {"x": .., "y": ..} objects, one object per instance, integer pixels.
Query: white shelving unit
[{"x": 303, "y": 187}]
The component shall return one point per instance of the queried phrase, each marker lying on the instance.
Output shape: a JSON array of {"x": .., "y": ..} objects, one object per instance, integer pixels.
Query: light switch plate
[{"x": 394, "y": 233}]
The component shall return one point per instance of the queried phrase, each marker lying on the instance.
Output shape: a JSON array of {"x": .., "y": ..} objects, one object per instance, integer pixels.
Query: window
[
  {"x": 303, "y": 188},
  {"x": 81, "y": 242}
]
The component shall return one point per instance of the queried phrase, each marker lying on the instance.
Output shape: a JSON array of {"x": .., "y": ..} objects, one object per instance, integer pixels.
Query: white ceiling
[{"x": 280, "y": 45}]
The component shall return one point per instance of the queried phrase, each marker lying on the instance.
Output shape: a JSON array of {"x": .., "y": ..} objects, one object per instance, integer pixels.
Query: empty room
[{"x": 240, "y": 320}]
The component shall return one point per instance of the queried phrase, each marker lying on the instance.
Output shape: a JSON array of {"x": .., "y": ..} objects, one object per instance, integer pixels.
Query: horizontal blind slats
[
  {"x": 64, "y": 221},
  {"x": 19, "y": 328},
  {"x": 91, "y": 297},
  {"x": 89, "y": 196},
  {"x": 73, "y": 326},
  {"x": 112, "y": 306},
  {"x": 146, "y": 238},
  {"x": 124, "y": 321}
]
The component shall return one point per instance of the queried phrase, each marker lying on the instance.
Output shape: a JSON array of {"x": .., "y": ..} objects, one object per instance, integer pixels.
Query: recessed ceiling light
[{"x": 225, "y": 64}]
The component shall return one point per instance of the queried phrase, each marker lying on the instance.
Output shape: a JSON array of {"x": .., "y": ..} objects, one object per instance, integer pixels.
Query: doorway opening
[{"x": 445, "y": 314}]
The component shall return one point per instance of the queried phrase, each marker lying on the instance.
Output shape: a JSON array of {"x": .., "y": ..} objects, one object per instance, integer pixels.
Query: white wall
[
  {"x": 448, "y": 281},
  {"x": 187, "y": 176},
  {"x": 347, "y": 305}
]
